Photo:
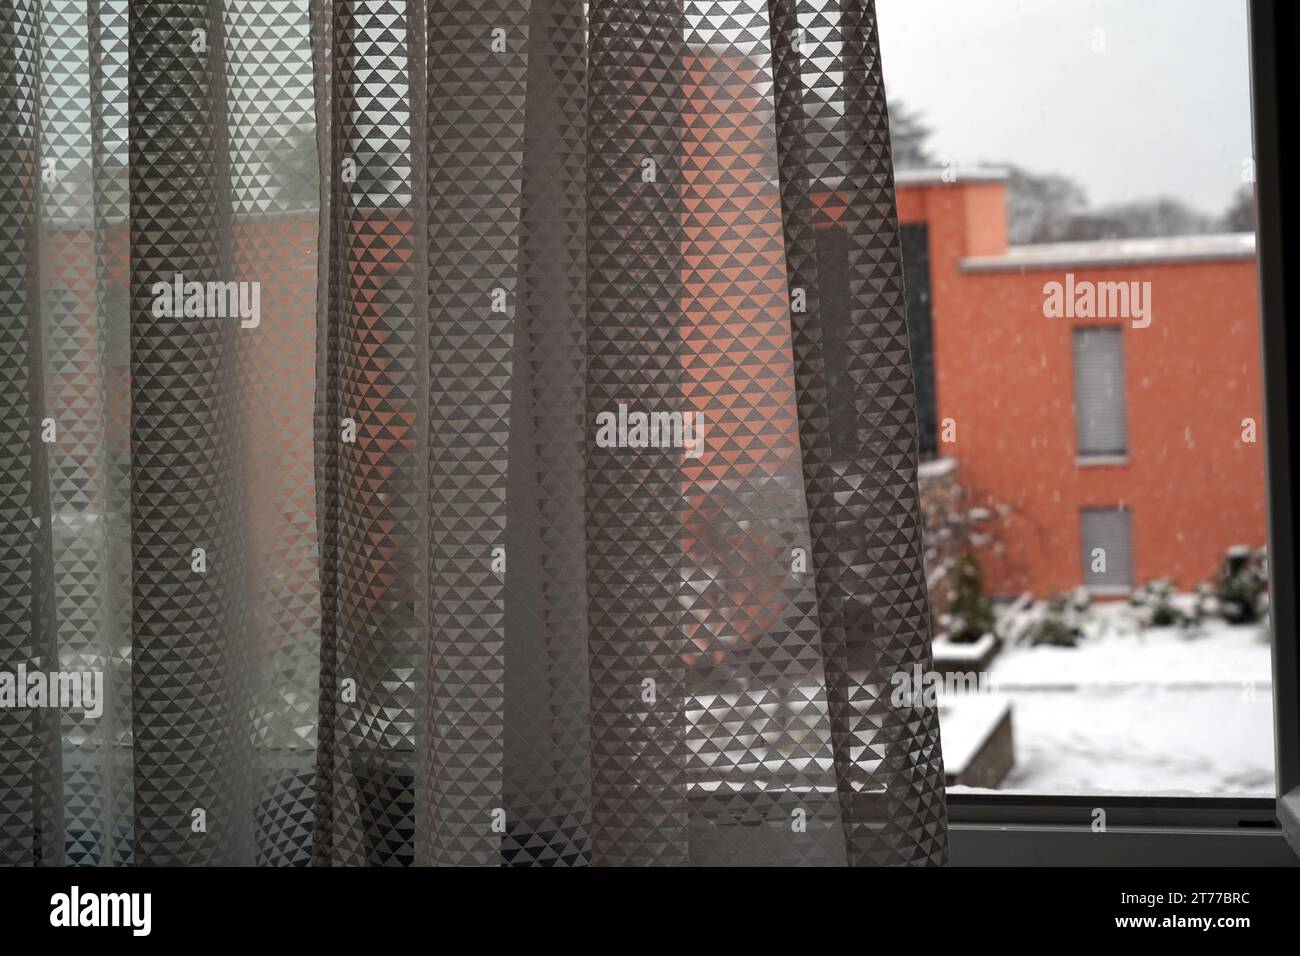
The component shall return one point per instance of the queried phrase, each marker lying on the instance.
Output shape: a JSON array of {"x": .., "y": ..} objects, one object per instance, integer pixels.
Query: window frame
[
  {"x": 991, "y": 828},
  {"x": 1275, "y": 94}
]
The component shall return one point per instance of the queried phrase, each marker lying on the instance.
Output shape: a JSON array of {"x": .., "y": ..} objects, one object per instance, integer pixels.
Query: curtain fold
[{"x": 484, "y": 434}]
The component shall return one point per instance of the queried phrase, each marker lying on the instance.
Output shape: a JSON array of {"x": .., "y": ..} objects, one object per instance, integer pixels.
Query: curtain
[{"x": 456, "y": 432}]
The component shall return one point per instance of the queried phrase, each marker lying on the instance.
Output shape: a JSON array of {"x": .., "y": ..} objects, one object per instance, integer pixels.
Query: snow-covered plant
[
  {"x": 961, "y": 527},
  {"x": 1207, "y": 604},
  {"x": 1242, "y": 585},
  {"x": 1060, "y": 622},
  {"x": 1155, "y": 607},
  {"x": 970, "y": 613}
]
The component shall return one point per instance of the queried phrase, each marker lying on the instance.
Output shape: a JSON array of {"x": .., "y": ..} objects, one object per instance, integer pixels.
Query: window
[
  {"x": 1099, "y": 413},
  {"x": 916, "y": 267},
  {"x": 1107, "y": 549},
  {"x": 1090, "y": 247}
]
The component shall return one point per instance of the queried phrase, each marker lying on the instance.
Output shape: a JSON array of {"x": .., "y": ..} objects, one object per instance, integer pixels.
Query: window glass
[{"x": 1075, "y": 185}]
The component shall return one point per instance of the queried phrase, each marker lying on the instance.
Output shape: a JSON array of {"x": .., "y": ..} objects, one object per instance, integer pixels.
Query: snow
[
  {"x": 962, "y": 739},
  {"x": 1132, "y": 710},
  {"x": 962, "y": 652},
  {"x": 947, "y": 175},
  {"x": 936, "y": 468},
  {"x": 1062, "y": 255}
]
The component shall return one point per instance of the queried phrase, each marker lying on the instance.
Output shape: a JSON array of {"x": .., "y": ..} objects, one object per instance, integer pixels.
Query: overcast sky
[{"x": 1165, "y": 109}]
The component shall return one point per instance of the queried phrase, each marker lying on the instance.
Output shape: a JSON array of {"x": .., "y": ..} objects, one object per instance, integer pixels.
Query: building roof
[
  {"x": 1166, "y": 249},
  {"x": 935, "y": 175}
]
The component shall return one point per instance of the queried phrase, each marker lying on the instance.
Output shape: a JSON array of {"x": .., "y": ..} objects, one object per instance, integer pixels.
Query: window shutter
[
  {"x": 1101, "y": 419},
  {"x": 1107, "y": 529}
]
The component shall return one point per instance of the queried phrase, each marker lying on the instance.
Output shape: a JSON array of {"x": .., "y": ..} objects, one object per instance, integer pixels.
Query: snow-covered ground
[{"x": 1133, "y": 710}]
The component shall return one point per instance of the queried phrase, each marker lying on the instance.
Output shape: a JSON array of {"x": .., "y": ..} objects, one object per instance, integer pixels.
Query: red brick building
[
  {"x": 1136, "y": 435},
  {"x": 1177, "y": 480}
]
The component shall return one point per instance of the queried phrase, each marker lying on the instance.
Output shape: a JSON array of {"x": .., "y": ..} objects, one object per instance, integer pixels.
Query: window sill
[
  {"x": 1101, "y": 461},
  {"x": 1109, "y": 590},
  {"x": 1042, "y": 830},
  {"x": 986, "y": 845},
  {"x": 1288, "y": 813}
]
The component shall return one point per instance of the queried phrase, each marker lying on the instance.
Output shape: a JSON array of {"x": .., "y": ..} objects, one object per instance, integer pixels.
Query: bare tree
[
  {"x": 1138, "y": 219},
  {"x": 1037, "y": 204},
  {"x": 909, "y": 135},
  {"x": 1240, "y": 214}
]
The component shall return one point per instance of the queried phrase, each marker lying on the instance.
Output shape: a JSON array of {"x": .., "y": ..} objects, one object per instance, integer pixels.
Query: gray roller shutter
[
  {"x": 1106, "y": 533},
  {"x": 1100, "y": 416}
]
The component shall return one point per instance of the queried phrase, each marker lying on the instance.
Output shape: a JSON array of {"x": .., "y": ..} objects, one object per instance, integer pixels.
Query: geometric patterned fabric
[{"x": 367, "y": 579}]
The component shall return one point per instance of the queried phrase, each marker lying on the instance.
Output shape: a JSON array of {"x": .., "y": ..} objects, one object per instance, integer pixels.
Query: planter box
[
  {"x": 964, "y": 657},
  {"x": 977, "y": 740}
]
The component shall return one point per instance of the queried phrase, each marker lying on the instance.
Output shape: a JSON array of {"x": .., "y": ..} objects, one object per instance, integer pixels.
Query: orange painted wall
[{"x": 1004, "y": 373}]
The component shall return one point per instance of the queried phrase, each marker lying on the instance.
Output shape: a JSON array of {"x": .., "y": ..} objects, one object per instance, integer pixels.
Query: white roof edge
[
  {"x": 949, "y": 175},
  {"x": 936, "y": 467},
  {"x": 1156, "y": 251},
  {"x": 922, "y": 177}
]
